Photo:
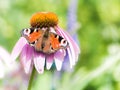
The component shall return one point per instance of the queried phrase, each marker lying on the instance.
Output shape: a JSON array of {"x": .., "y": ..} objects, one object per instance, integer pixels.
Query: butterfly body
[{"x": 44, "y": 40}]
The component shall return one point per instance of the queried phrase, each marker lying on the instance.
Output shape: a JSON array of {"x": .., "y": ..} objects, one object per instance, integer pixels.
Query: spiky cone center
[{"x": 44, "y": 19}]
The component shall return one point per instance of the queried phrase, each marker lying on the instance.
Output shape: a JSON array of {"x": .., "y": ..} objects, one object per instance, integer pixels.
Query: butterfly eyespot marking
[
  {"x": 26, "y": 31},
  {"x": 33, "y": 43},
  {"x": 64, "y": 43},
  {"x": 51, "y": 49}
]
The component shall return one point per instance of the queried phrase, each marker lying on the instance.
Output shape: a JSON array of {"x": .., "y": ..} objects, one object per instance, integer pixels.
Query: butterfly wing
[
  {"x": 35, "y": 36},
  {"x": 32, "y": 35},
  {"x": 57, "y": 42}
]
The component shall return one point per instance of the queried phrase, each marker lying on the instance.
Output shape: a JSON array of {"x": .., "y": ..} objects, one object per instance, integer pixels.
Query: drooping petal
[
  {"x": 70, "y": 49},
  {"x": 68, "y": 37},
  {"x": 66, "y": 64},
  {"x": 39, "y": 61},
  {"x": 71, "y": 53},
  {"x": 26, "y": 57},
  {"x": 18, "y": 48},
  {"x": 59, "y": 57},
  {"x": 73, "y": 50},
  {"x": 76, "y": 47},
  {"x": 70, "y": 57},
  {"x": 5, "y": 56},
  {"x": 49, "y": 61}
]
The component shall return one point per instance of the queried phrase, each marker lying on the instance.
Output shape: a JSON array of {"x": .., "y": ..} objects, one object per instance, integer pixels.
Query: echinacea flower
[{"x": 30, "y": 57}]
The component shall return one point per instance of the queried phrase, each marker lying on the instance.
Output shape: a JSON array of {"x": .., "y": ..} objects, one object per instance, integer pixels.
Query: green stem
[{"x": 31, "y": 79}]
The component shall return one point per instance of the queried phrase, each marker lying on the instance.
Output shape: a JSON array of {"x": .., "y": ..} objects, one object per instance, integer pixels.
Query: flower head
[
  {"x": 44, "y": 19},
  {"x": 44, "y": 43}
]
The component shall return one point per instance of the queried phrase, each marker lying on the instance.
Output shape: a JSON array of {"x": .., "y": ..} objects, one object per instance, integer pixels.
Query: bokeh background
[{"x": 96, "y": 23}]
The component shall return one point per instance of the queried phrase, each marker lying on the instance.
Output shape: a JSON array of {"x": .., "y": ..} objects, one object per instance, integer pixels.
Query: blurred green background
[{"x": 98, "y": 67}]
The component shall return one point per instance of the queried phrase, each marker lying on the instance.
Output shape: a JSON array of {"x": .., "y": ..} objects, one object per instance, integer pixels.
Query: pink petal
[
  {"x": 59, "y": 57},
  {"x": 26, "y": 57},
  {"x": 49, "y": 61},
  {"x": 18, "y": 48},
  {"x": 5, "y": 56},
  {"x": 70, "y": 49},
  {"x": 70, "y": 57},
  {"x": 73, "y": 50},
  {"x": 39, "y": 61}
]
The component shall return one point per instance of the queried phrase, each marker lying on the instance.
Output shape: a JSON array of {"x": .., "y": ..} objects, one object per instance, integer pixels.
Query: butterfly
[{"x": 44, "y": 40}]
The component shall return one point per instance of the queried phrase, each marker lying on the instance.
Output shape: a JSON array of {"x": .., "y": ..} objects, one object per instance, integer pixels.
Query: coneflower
[{"x": 30, "y": 57}]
